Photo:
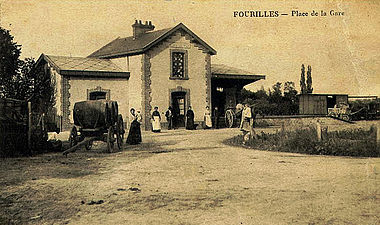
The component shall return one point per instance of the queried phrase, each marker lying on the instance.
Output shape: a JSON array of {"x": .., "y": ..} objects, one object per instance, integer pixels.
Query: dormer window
[{"x": 178, "y": 64}]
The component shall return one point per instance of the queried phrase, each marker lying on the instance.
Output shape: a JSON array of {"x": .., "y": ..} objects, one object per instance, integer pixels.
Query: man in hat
[
  {"x": 216, "y": 117},
  {"x": 169, "y": 117}
]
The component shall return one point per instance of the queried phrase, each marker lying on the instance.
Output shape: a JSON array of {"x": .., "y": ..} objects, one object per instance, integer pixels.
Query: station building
[{"x": 168, "y": 67}]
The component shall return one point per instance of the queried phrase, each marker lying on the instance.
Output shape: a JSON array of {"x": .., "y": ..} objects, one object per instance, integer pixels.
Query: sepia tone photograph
[{"x": 189, "y": 112}]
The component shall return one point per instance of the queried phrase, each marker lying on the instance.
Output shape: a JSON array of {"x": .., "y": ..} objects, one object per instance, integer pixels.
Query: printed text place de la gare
[{"x": 293, "y": 13}]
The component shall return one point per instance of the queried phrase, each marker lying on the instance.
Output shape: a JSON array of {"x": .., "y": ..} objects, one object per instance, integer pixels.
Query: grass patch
[
  {"x": 358, "y": 142},
  {"x": 262, "y": 123}
]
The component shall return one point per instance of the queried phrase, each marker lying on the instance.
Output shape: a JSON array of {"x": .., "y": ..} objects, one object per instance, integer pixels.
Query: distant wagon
[
  {"x": 24, "y": 131},
  {"x": 96, "y": 120},
  {"x": 13, "y": 127},
  {"x": 232, "y": 116}
]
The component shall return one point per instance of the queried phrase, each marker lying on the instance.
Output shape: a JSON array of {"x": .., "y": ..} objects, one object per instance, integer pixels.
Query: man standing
[
  {"x": 253, "y": 122},
  {"x": 190, "y": 119},
  {"x": 216, "y": 117},
  {"x": 169, "y": 117},
  {"x": 248, "y": 122},
  {"x": 246, "y": 118}
]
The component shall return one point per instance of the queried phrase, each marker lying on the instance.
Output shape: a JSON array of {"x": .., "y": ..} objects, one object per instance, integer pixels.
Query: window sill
[{"x": 178, "y": 78}]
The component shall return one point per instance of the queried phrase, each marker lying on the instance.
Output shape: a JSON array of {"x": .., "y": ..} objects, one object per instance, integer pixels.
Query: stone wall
[
  {"x": 75, "y": 89},
  {"x": 135, "y": 82}
]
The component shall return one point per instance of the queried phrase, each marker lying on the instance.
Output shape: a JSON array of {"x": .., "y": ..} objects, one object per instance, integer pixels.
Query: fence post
[
  {"x": 378, "y": 135},
  {"x": 319, "y": 131},
  {"x": 325, "y": 135},
  {"x": 30, "y": 127}
]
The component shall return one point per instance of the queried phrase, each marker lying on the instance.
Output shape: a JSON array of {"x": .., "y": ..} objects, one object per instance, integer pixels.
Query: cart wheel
[
  {"x": 73, "y": 137},
  {"x": 89, "y": 145},
  {"x": 346, "y": 117},
  {"x": 229, "y": 118},
  {"x": 119, "y": 140},
  {"x": 110, "y": 139}
]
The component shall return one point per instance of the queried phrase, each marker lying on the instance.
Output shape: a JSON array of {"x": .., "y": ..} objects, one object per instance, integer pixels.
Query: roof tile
[
  {"x": 223, "y": 69},
  {"x": 84, "y": 64},
  {"x": 130, "y": 46}
]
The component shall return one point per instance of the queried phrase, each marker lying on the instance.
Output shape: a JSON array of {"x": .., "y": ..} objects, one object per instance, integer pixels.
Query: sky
[{"x": 343, "y": 51}]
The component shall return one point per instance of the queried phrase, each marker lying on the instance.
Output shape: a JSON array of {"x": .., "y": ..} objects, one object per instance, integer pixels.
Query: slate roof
[
  {"x": 228, "y": 72},
  {"x": 81, "y": 66},
  {"x": 129, "y": 46}
]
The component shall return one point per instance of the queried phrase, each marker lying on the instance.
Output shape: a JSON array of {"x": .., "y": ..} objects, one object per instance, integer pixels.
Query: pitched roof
[
  {"x": 129, "y": 46},
  {"x": 80, "y": 66},
  {"x": 228, "y": 72}
]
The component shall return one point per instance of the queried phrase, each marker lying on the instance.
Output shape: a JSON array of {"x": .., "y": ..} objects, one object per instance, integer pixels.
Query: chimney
[{"x": 139, "y": 28}]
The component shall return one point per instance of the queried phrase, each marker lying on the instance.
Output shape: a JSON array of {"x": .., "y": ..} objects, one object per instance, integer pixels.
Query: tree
[
  {"x": 38, "y": 86},
  {"x": 302, "y": 80},
  {"x": 276, "y": 95},
  {"x": 275, "y": 101},
  {"x": 290, "y": 90},
  {"x": 21, "y": 84},
  {"x": 309, "y": 82},
  {"x": 261, "y": 94},
  {"x": 277, "y": 89},
  {"x": 290, "y": 97},
  {"x": 22, "y": 79},
  {"x": 9, "y": 61}
]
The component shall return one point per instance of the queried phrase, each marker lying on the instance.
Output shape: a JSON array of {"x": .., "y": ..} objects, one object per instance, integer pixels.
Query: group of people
[
  {"x": 190, "y": 125},
  {"x": 134, "y": 135}
]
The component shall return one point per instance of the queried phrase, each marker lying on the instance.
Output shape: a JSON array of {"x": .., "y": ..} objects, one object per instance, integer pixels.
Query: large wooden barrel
[{"x": 95, "y": 114}]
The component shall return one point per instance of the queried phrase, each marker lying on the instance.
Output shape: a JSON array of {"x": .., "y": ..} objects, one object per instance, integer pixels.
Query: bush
[
  {"x": 262, "y": 123},
  {"x": 359, "y": 142}
]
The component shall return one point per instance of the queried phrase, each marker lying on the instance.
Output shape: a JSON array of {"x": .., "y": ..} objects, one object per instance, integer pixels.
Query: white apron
[
  {"x": 156, "y": 123},
  {"x": 208, "y": 121}
]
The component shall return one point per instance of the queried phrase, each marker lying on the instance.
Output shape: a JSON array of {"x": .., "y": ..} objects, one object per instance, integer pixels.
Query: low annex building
[{"x": 168, "y": 67}]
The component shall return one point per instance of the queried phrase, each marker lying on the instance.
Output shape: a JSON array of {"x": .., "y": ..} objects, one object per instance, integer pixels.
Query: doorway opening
[
  {"x": 179, "y": 108},
  {"x": 331, "y": 101}
]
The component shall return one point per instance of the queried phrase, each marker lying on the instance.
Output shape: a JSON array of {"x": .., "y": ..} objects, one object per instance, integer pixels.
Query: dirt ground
[{"x": 189, "y": 177}]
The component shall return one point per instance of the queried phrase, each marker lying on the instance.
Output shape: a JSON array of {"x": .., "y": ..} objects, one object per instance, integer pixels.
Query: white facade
[{"x": 118, "y": 90}]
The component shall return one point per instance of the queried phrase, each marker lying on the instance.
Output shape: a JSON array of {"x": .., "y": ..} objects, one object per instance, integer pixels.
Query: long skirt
[
  {"x": 156, "y": 124},
  {"x": 208, "y": 122},
  {"x": 190, "y": 124},
  {"x": 134, "y": 135}
]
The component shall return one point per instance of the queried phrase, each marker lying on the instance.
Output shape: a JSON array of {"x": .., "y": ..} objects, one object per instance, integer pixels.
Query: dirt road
[{"x": 189, "y": 177}]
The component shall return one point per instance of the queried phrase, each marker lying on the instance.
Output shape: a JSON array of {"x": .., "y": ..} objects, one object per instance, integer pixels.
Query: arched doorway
[
  {"x": 179, "y": 107},
  {"x": 179, "y": 101}
]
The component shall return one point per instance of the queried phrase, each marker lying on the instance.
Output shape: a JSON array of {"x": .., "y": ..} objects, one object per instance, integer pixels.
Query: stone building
[{"x": 168, "y": 67}]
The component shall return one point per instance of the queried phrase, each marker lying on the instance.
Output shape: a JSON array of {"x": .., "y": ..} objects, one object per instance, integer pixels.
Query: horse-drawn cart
[
  {"x": 97, "y": 120},
  {"x": 232, "y": 116}
]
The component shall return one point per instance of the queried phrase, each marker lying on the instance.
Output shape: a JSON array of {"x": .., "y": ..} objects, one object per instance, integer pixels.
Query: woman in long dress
[
  {"x": 156, "y": 120},
  {"x": 134, "y": 135},
  {"x": 190, "y": 119},
  {"x": 207, "y": 118}
]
